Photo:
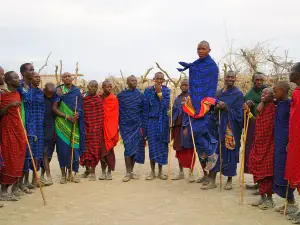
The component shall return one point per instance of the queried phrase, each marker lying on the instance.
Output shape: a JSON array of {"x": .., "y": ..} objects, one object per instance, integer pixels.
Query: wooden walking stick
[
  {"x": 73, "y": 140},
  {"x": 243, "y": 156},
  {"x": 220, "y": 152},
  {"x": 194, "y": 145},
  {"x": 170, "y": 143},
  {"x": 286, "y": 198},
  {"x": 32, "y": 159}
]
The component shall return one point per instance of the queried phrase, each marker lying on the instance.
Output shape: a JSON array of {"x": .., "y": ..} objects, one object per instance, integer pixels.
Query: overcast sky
[{"x": 106, "y": 36}]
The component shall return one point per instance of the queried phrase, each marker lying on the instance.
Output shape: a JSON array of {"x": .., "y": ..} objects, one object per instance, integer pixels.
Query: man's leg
[
  {"x": 63, "y": 179},
  {"x": 133, "y": 175},
  {"x": 212, "y": 182},
  {"x": 103, "y": 167},
  {"x": 266, "y": 187},
  {"x": 93, "y": 174},
  {"x": 203, "y": 179},
  {"x": 180, "y": 175},
  {"x": 228, "y": 185},
  {"x": 5, "y": 196},
  {"x": 160, "y": 174},
  {"x": 129, "y": 168},
  {"x": 46, "y": 168},
  {"x": 151, "y": 176}
]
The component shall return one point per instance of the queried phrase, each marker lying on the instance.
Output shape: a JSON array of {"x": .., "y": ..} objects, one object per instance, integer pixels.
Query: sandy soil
[{"x": 135, "y": 202}]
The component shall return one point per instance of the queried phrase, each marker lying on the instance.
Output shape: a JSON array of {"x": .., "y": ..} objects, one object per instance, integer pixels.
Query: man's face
[
  {"x": 1, "y": 76},
  {"x": 132, "y": 82},
  {"x": 92, "y": 88},
  {"x": 267, "y": 96},
  {"x": 29, "y": 70},
  {"x": 184, "y": 87},
  {"x": 294, "y": 76},
  {"x": 36, "y": 79},
  {"x": 279, "y": 93},
  {"x": 203, "y": 50},
  {"x": 259, "y": 81},
  {"x": 230, "y": 79},
  {"x": 15, "y": 80},
  {"x": 67, "y": 79},
  {"x": 49, "y": 90},
  {"x": 159, "y": 79},
  {"x": 107, "y": 88}
]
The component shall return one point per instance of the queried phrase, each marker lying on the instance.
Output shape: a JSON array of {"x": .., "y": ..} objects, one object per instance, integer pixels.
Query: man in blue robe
[
  {"x": 281, "y": 139},
  {"x": 156, "y": 124},
  {"x": 203, "y": 79},
  {"x": 230, "y": 107},
  {"x": 130, "y": 125}
]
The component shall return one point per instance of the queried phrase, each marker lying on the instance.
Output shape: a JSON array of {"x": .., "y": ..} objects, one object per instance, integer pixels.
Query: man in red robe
[
  {"x": 13, "y": 140},
  {"x": 261, "y": 159},
  {"x": 292, "y": 169},
  {"x": 110, "y": 136},
  {"x": 93, "y": 125}
]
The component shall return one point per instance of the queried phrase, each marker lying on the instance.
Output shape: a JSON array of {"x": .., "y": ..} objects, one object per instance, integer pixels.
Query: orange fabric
[
  {"x": 111, "y": 121},
  {"x": 206, "y": 103}
]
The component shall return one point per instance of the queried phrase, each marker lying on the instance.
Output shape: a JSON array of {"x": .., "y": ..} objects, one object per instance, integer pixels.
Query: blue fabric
[
  {"x": 130, "y": 123},
  {"x": 234, "y": 99},
  {"x": 185, "y": 141},
  {"x": 281, "y": 138},
  {"x": 203, "y": 82},
  {"x": 156, "y": 123},
  {"x": 34, "y": 115},
  {"x": 63, "y": 149}
]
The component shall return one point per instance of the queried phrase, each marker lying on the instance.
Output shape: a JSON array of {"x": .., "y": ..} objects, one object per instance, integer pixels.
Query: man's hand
[
  {"x": 157, "y": 87},
  {"x": 73, "y": 119},
  {"x": 14, "y": 104},
  {"x": 221, "y": 105},
  {"x": 260, "y": 107},
  {"x": 249, "y": 103}
]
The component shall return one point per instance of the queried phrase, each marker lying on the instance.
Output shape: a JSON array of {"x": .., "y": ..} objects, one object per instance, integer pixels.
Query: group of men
[{"x": 206, "y": 125}]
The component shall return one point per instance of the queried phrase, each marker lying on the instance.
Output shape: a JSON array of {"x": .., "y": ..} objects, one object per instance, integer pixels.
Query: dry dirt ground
[{"x": 135, "y": 202}]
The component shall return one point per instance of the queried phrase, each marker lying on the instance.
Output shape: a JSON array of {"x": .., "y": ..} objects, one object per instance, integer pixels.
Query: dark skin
[
  {"x": 158, "y": 82},
  {"x": 129, "y": 161},
  {"x": 1, "y": 76},
  {"x": 203, "y": 50},
  {"x": 67, "y": 80},
  {"x": 27, "y": 75},
  {"x": 295, "y": 74},
  {"x": 267, "y": 97},
  {"x": 258, "y": 83},
  {"x": 49, "y": 92},
  {"x": 107, "y": 89},
  {"x": 12, "y": 82},
  {"x": 230, "y": 79}
]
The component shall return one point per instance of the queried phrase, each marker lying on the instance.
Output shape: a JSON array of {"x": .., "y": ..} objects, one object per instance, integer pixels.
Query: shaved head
[
  {"x": 295, "y": 73},
  {"x": 66, "y": 74},
  {"x": 130, "y": 77},
  {"x": 93, "y": 83},
  {"x": 184, "y": 81},
  {"x": 49, "y": 85},
  {"x": 106, "y": 82},
  {"x": 205, "y": 43},
  {"x": 283, "y": 85}
]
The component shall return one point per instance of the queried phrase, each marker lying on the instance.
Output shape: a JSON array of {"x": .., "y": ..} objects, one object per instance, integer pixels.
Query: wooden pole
[
  {"x": 243, "y": 157},
  {"x": 242, "y": 160},
  {"x": 76, "y": 73},
  {"x": 170, "y": 143},
  {"x": 286, "y": 198},
  {"x": 32, "y": 159},
  {"x": 194, "y": 145},
  {"x": 220, "y": 152},
  {"x": 73, "y": 140}
]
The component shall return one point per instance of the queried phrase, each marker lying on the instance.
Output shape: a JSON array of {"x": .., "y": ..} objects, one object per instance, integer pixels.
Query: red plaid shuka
[
  {"x": 13, "y": 140},
  {"x": 93, "y": 125},
  {"x": 261, "y": 159}
]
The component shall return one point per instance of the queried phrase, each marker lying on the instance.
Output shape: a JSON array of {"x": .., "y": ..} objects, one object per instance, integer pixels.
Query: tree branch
[{"x": 46, "y": 63}]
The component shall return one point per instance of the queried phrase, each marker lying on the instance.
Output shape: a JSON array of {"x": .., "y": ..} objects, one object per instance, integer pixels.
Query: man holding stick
[
  {"x": 13, "y": 140},
  {"x": 203, "y": 79},
  {"x": 229, "y": 128},
  {"x": 69, "y": 138},
  {"x": 156, "y": 124}
]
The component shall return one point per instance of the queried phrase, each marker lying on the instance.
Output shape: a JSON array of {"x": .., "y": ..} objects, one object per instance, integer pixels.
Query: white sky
[{"x": 106, "y": 36}]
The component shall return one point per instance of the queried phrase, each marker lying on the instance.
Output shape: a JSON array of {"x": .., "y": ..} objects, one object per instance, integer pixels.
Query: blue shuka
[
  {"x": 156, "y": 124},
  {"x": 34, "y": 106},
  {"x": 67, "y": 101},
  {"x": 234, "y": 99},
  {"x": 186, "y": 142},
  {"x": 203, "y": 83},
  {"x": 130, "y": 123},
  {"x": 281, "y": 139}
]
